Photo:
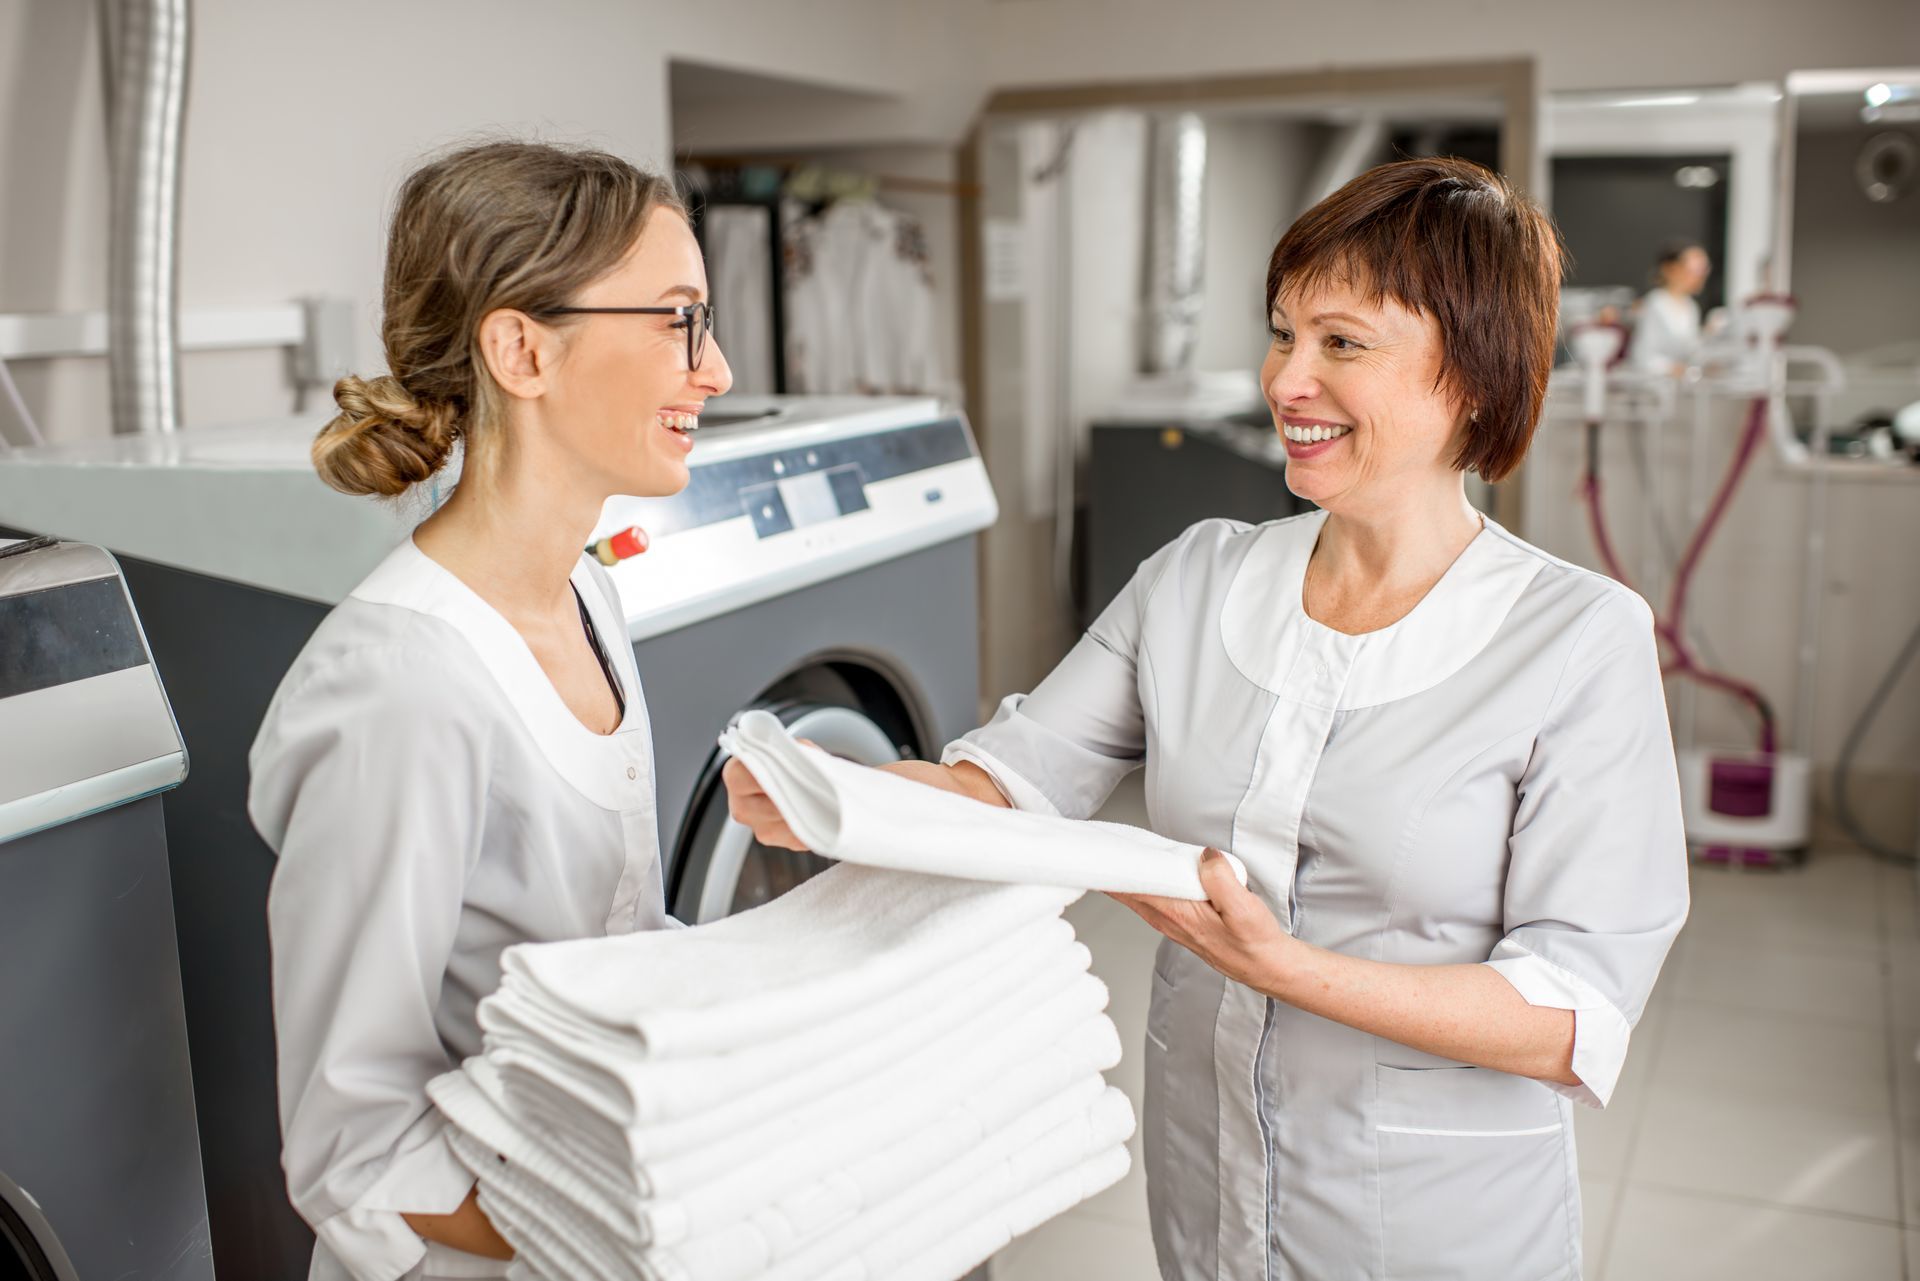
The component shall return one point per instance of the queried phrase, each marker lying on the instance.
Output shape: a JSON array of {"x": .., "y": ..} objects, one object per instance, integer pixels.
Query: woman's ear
[{"x": 519, "y": 352}]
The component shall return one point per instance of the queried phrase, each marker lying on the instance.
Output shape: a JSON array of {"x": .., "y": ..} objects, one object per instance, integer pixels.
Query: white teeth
[
  {"x": 1313, "y": 435},
  {"x": 675, "y": 421}
]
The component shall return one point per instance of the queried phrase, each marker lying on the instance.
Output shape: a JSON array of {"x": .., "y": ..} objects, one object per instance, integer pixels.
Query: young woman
[{"x": 460, "y": 758}]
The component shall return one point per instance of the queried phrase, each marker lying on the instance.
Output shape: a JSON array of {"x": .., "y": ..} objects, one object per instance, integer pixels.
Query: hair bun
[{"x": 384, "y": 440}]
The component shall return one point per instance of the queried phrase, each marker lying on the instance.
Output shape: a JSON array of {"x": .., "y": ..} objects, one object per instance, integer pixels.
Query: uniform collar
[
  {"x": 598, "y": 765},
  {"x": 1266, "y": 632}
]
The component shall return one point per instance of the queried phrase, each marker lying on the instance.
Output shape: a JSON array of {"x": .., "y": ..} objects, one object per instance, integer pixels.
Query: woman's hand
[
  {"x": 751, "y": 807},
  {"x": 467, "y": 1228},
  {"x": 1232, "y": 930}
]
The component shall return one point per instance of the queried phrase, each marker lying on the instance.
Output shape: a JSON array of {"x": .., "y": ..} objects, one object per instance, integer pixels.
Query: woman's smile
[
  {"x": 680, "y": 422},
  {"x": 1311, "y": 437}
]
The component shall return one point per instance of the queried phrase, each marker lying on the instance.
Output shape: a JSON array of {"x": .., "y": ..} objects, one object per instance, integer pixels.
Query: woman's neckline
[
  {"x": 523, "y": 649},
  {"x": 1435, "y": 590}
]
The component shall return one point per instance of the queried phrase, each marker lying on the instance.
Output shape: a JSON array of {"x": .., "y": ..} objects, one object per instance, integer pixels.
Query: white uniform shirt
[
  {"x": 432, "y": 801},
  {"x": 1666, "y": 332},
  {"x": 1488, "y": 780}
]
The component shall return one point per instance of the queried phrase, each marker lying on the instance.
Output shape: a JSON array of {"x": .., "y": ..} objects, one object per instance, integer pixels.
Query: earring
[{"x": 1474, "y": 417}]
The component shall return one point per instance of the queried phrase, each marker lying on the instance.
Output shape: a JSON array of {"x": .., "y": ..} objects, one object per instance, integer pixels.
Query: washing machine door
[
  {"x": 720, "y": 869},
  {"x": 29, "y": 1251}
]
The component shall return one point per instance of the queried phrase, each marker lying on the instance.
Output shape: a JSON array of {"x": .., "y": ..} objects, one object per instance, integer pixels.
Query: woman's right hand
[
  {"x": 752, "y": 808},
  {"x": 750, "y": 805}
]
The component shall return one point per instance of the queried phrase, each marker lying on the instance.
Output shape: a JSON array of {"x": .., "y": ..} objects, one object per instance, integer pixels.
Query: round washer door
[
  {"x": 29, "y": 1251},
  {"x": 721, "y": 869}
]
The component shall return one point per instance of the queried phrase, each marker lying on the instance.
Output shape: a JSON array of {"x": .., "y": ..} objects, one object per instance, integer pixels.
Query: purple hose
[{"x": 1672, "y": 629}]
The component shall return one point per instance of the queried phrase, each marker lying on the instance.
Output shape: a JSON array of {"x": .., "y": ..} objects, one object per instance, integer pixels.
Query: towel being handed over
[{"x": 861, "y": 815}]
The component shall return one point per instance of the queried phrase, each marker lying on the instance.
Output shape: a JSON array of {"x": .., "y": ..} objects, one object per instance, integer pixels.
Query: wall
[
  {"x": 302, "y": 119},
  {"x": 1256, "y": 172},
  {"x": 1633, "y": 43}
]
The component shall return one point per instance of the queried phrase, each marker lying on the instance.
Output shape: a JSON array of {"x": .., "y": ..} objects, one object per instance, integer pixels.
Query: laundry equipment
[
  {"x": 99, "y": 1158},
  {"x": 821, "y": 564}
]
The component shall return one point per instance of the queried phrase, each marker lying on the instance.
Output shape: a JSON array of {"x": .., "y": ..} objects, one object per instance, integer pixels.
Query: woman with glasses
[{"x": 460, "y": 758}]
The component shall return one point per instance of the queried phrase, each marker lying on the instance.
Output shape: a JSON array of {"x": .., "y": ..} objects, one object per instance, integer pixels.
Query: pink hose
[{"x": 1672, "y": 629}]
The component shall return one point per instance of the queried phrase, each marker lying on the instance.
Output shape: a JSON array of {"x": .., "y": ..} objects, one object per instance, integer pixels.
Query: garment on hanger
[
  {"x": 860, "y": 308},
  {"x": 740, "y": 280}
]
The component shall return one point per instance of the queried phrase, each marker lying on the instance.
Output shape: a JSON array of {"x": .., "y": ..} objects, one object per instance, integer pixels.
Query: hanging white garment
[
  {"x": 740, "y": 280},
  {"x": 845, "y": 811},
  {"x": 860, "y": 304}
]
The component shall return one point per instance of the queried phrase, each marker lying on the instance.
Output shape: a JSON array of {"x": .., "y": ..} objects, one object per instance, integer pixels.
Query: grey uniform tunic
[
  {"x": 1489, "y": 780},
  {"x": 432, "y": 801}
]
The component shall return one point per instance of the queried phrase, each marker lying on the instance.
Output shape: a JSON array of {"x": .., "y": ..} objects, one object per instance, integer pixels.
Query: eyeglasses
[{"x": 696, "y": 319}]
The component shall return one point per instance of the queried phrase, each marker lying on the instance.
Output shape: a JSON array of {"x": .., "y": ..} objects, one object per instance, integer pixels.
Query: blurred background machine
[
  {"x": 1147, "y": 481},
  {"x": 99, "y": 1158}
]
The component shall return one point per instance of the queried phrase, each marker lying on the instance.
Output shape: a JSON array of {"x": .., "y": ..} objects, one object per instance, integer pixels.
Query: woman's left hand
[{"x": 1232, "y": 930}]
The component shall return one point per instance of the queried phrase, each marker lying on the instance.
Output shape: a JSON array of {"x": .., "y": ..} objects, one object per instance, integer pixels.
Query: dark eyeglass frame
[{"x": 702, "y": 312}]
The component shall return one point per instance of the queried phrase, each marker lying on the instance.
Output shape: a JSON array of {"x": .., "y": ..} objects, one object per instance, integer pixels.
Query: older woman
[{"x": 1442, "y": 754}]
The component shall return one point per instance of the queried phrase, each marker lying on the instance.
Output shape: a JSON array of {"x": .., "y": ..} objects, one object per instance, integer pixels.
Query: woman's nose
[
  {"x": 1291, "y": 378},
  {"x": 715, "y": 375}
]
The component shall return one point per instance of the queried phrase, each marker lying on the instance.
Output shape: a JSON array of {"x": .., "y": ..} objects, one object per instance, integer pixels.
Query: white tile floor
[{"x": 1768, "y": 1123}]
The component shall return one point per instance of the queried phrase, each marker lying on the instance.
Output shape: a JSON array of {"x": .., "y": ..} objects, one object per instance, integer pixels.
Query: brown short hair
[
  {"x": 517, "y": 225},
  {"x": 1448, "y": 239}
]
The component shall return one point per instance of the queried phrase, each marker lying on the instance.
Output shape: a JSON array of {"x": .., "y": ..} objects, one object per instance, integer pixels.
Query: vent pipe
[
  {"x": 145, "y": 47},
  {"x": 1175, "y": 242}
]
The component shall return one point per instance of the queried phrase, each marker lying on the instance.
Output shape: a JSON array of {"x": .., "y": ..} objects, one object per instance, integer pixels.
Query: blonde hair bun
[{"x": 384, "y": 440}]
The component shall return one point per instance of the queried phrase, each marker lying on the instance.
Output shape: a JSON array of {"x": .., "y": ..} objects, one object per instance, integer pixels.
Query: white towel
[
  {"x": 519, "y": 1009},
  {"x": 897, "y": 1097},
  {"x": 605, "y": 1071},
  {"x": 869, "y": 816},
  {"x": 943, "y": 1226},
  {"x": 1042, "y": 1163},
  {"x": 836, "y": 943},
  {"x": 710, "y": 1187},
  {"x": 774, "y": 1232}
]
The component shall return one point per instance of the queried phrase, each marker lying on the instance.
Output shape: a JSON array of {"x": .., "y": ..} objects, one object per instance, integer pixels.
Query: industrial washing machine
[
  {"x": 99, "y": 1157},
  {"x": 821, "y": 563}
]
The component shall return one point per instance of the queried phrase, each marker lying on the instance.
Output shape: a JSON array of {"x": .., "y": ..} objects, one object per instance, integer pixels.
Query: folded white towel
[
  {"x": 943, "y": 1226},
  {"x": 661, "y": 1159},
  {"x": 517, "y": 1009},
  {"x": 603, "y": 1070},
  {"x": 749, "y": 1247},
  {"x": 1040, "y": 1164},
  {"x": 869, "y": 816},
  {"x": 993, "y": 1069},
  {"x": 836, "y": 943}
]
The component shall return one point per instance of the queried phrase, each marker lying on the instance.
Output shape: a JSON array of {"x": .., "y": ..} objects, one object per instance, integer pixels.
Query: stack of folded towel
[{"x": 882, "y": 1074}]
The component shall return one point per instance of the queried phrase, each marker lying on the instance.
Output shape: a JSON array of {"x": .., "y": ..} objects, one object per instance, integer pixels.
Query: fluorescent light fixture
[{"x": 1663, "y": 100}]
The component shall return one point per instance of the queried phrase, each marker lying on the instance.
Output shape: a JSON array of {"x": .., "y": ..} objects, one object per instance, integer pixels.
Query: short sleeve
[
  {"x": 1063, "y": 748},
  {"x": 368, "y": 780},
  {"x": 1597, "y": 875}
]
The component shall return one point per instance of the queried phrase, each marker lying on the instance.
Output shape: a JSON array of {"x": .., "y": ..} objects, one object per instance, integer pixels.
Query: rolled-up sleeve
[
  {"x": 369, "y": 783},
  {"x": 1597, "y": 877},
  {"x": 1063, "y": 748}
]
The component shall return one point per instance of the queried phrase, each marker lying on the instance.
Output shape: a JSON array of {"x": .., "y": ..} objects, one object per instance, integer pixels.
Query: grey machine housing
[{"x": 99, "y": 1153}]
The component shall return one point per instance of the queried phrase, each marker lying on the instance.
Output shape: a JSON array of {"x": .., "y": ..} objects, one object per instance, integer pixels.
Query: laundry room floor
[{"x": 1767, "y": 1124}]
